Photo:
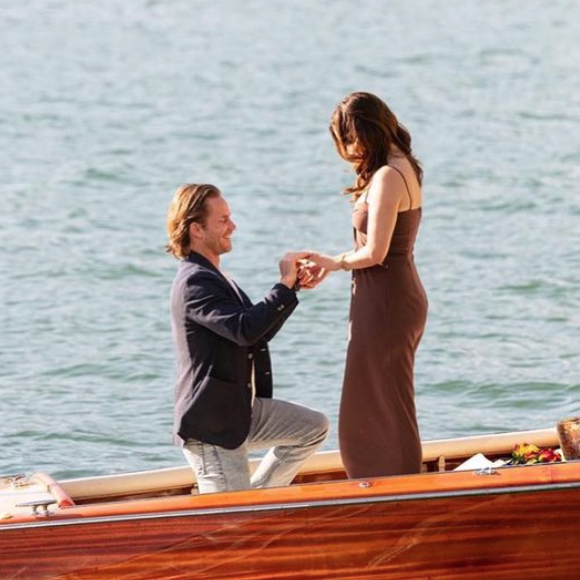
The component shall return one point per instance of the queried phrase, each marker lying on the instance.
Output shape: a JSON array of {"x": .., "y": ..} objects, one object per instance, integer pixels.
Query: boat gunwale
[
  {"x": 298, "y": 505},
  {"x": 103, "y": 486}
]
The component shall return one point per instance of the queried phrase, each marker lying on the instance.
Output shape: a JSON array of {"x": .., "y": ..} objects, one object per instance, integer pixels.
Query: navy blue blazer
[{"x": 218, "y": 334}]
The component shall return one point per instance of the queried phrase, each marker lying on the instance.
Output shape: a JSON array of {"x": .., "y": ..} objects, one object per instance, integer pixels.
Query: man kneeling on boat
[{"x": 223, "y": 396}]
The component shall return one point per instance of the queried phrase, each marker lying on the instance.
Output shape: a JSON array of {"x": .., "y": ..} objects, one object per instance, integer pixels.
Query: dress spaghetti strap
[{"x": 406, "y": 185}]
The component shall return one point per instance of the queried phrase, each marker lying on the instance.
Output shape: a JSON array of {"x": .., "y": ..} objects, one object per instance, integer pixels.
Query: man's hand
[{"x": 289, "y": 267}]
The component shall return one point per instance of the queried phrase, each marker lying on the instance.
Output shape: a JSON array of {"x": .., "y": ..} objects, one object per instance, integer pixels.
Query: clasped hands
[{"x": 308, "y": 268}]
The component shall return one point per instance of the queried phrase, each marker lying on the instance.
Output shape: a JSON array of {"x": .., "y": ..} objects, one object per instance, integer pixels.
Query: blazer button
[
  {"x": 250, "y": 356},
  {"x": 249, "y": 385}
]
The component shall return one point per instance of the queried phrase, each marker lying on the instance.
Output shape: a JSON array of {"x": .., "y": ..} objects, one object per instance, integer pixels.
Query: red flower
[{"x": 548, "y": 456}]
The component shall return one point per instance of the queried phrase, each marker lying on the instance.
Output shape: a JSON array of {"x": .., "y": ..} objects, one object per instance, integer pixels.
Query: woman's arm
[{"x": 384, "y": 198}]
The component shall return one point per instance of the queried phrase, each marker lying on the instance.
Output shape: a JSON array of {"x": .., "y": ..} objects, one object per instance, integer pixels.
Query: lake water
[{"x": 106, "y": 107}]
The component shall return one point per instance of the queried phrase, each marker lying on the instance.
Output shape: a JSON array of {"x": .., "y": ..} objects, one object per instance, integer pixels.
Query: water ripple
[{"x": 131, "y": 104}]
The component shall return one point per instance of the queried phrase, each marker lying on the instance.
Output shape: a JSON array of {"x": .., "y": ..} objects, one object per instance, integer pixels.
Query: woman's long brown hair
[{"x": 364, "y": 119}]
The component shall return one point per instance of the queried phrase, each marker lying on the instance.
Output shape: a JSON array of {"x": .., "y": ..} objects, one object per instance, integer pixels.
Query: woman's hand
[
  {"x": 328, "y": 263},
  {"x": 310, "y": 275}
]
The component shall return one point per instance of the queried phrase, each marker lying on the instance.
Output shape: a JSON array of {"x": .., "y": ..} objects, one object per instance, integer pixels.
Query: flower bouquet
[{"x": 528, "y": 454}]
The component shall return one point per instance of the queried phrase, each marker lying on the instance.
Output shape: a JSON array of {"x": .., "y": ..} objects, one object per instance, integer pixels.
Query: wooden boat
[{"x": 501, "y": 523}]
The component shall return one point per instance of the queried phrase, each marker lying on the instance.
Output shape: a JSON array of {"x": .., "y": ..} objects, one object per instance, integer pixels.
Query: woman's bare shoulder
[{"x": 386, "y": 183}]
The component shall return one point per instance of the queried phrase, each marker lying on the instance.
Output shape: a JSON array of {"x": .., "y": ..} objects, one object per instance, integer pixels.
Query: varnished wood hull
[{"x": 523, "y": 524}]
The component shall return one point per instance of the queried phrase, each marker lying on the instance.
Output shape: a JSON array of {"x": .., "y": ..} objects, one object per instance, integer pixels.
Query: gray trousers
[{"x": 292, "y": 432}]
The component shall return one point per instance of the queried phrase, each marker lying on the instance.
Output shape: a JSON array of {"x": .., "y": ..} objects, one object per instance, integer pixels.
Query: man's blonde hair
[{"x": 187, "y": 206}]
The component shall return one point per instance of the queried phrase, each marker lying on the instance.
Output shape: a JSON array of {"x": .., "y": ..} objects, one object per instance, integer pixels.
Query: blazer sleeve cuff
[{"x": 287, "y": 296}]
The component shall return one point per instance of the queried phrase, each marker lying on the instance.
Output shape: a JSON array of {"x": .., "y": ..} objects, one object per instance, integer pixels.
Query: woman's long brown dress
[{"x": 378, "y": 431}]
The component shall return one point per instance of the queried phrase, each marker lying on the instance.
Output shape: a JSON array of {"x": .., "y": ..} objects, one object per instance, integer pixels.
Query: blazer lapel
[
  {"x": 241, "y": 294},
  {"x": 235, "y": 290}
]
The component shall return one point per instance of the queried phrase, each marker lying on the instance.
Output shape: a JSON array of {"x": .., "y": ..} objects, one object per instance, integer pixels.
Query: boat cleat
[
  {"x": 14, "y": 480},
  {"x": 36, "y": 504},
  {"x": 487, "y": 470}
]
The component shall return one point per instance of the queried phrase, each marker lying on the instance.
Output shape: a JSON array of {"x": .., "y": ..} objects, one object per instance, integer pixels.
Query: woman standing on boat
[{"x": 378, "y": 431}]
